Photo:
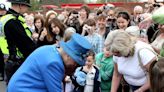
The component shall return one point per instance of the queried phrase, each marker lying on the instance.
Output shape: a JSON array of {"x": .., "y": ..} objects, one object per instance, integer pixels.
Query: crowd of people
[{"x": 107, "y": 49}]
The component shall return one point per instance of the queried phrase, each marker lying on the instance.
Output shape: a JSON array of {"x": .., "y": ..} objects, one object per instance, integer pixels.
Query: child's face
[
  {"x": 107, "y": 52},
  {"x": 90, "y": 60}
]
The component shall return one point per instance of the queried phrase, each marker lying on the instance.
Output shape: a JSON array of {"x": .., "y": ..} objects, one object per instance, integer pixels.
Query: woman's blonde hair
[{"x": 120, "y": 41}]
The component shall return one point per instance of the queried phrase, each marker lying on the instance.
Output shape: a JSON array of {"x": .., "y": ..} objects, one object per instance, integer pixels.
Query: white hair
[
  {"x": 133, "y": 30},
  {"x": 119, "y": 41},
  {"x": 138, "y": 8},
  {"x": 61, "y": 17},
  {"x": 68, "y": 32},
  {"x": 70, "y": 29}
]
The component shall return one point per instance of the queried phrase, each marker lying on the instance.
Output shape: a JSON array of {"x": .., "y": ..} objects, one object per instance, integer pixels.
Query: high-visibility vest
[{"x": 3, "y": 43}]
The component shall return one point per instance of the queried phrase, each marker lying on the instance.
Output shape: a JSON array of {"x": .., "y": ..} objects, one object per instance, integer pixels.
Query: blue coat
[{"x": 42, "y": 71}]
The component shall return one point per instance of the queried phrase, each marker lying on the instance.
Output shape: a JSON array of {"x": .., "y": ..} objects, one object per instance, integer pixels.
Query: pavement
[{"x": 2, "y": 86}]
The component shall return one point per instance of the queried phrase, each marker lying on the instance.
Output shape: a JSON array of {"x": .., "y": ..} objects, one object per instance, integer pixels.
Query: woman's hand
[{"x": 43, "y": 34}]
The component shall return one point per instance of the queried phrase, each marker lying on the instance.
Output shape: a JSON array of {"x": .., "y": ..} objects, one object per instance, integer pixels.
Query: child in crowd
[
  {"x": 86, "y": 78},
  {"x": 104, "y": 61}
]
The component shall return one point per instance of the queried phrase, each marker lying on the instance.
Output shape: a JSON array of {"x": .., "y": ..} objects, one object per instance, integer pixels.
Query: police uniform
[{"x": 16, "y": 36}]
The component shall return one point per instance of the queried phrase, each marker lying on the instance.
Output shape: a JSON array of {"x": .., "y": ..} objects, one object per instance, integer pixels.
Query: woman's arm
[
  {"x": 116, "y": 79},
  {"x": 146, "y": 86}
]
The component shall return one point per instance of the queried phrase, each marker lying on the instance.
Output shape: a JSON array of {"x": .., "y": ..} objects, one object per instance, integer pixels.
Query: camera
[
  {"x": 87, "y": 28},
  {"x": 111, "y": 20},
  {"x": 156, "y": 5}
]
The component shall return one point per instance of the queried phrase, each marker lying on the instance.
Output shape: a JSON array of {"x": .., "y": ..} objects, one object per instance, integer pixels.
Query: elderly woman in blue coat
[{"x": 44, "y": 69}]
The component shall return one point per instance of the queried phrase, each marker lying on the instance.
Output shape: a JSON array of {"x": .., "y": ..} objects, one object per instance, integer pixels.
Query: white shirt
[
  {"x": 90, "y": 80},
  {"x": 129, "y": 66}
]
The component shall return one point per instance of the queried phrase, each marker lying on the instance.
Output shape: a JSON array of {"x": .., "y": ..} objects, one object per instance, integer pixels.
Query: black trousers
[{"x": 1, "y": 64}]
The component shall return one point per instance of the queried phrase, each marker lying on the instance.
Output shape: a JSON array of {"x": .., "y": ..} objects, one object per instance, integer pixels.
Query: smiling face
[
  {"x": 122, "y": 23},
  {"x": 89, "y": 60},
  {"x": 107, "y": 53},
  {"x": 55, "y": 29},
  {"x": 38, "y": 24}
]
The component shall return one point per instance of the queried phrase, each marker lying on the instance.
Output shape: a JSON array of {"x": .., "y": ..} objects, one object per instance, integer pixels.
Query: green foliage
[{"x": 35, "y": 5}]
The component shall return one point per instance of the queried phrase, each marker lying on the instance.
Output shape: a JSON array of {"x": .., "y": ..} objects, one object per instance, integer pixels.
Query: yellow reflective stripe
[
  {"x": 3, "y": 41},
  {"x": 4, "y": 45},
  {"x": 22, "y": 19},
  {"x": 4, "y": 19},
  {"x": 28, "y": 32}
]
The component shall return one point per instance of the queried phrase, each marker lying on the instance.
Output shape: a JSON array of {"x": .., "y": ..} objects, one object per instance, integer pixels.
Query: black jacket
[
  {"x": 16, "y": 37},
  {"x": 96, "y": 87}
]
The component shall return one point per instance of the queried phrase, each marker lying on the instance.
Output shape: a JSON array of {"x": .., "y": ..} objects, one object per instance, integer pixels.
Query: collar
[{"x": 11, "y": 11}]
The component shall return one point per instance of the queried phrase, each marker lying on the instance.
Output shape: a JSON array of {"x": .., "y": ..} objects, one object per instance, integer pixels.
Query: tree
[{"x": 35, "y": 5}]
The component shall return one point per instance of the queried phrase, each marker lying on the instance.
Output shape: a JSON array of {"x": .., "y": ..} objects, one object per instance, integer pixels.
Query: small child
[{"x": 87, "y": 78}]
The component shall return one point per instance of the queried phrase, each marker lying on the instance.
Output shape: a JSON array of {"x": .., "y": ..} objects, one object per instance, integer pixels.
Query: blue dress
[{"x": 42, "y": 71}]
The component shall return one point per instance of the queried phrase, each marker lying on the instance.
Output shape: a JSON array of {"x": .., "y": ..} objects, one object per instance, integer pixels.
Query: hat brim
[
  {"x": 68, "y": 50},
  {"x": 22, "y": 3}
]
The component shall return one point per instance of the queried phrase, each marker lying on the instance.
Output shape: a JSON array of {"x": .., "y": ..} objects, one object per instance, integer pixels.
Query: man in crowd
[{"x": 17, "y": 34}]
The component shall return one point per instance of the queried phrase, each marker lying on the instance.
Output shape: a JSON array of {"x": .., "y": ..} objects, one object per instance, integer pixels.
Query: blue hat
[{"x": 77, "y": 47}]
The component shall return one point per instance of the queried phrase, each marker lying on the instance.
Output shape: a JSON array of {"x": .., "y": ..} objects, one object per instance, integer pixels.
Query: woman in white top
[{"x": 126, "y": 53}]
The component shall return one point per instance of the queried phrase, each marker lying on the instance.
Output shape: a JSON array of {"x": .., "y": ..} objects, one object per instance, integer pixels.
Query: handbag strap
[{"x": 140, "y": 62}]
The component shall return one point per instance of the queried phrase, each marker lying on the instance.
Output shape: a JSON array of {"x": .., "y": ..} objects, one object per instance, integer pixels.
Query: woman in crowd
[
  {"x": 39, "y": 26},
  {"x": 104, "y": 61},
  {"x": 137, "y": 33},
  {"x": 55, "y": 32},
  {"x": 158, "y": 17},
  {"x": 127, "y": 53},
  {"x": 30, "y": 22},
  {"x": 123, "y": 20},
  {"x": 72, "y": 21},
  {"x": 156, "y": 73},
  {"x": 83, "y": 13},
  {"x": 86, "y": 78},
  {"x": 50, "y": 15}
]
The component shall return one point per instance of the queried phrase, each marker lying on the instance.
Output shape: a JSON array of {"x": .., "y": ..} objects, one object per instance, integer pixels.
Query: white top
[
  {"x": 158, "y": 42},
  {"x": 129, "y": 66},
  {"x": 90, "y": 80}
]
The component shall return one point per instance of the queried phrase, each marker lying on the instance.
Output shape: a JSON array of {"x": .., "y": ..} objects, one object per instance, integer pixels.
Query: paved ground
[{"x": 2, "y": 86}]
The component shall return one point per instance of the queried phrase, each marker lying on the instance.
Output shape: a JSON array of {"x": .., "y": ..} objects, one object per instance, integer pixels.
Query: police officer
[
  {"x": 2, "y": 9},
  {"x": 2, "y": 12},
  {"x": 17, "y": 33}
]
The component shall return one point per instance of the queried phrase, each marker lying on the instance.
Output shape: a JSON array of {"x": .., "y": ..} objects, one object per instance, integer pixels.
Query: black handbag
[{"x": 10, "y": 68}]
